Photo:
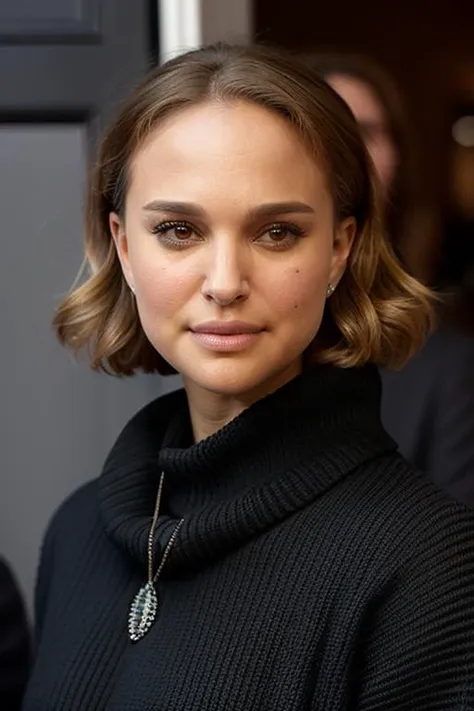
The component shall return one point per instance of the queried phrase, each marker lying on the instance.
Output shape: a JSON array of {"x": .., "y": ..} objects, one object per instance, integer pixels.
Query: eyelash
[
  {"x": 295, "y": 234},
  {"x": 163, "y": 228}
]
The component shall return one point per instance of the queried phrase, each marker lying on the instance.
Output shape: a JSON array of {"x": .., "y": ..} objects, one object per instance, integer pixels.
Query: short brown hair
[{"x": 378, "y": 314}]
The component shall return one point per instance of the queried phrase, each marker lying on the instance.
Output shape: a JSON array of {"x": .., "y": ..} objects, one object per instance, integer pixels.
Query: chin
[
  {"x": 227, "y": 379},
  {"x": 234, "y": 379}
]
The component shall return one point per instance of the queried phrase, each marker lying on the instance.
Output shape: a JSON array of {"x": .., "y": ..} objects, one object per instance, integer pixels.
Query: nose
[{"x": 226, "y": 280}]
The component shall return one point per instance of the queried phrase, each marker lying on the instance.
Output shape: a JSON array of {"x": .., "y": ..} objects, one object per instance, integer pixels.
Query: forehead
[{"x": 240, "y": 149}]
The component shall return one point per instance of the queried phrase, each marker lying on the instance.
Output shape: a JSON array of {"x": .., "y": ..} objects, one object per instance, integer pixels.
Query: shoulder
[
  {"x": 66, "y": 535},
  {"x": 81, "y": 507},
  {"x": 75, "y": 514},
  {"x": 142, "y": 437},
  {"x": 431, "y": 544},
  {"x": 406, "y": 510},
  {"x": 419, "y": 618}
]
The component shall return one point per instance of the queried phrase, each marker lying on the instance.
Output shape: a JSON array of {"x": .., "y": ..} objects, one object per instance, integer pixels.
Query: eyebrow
[
  {"x": 265, "y": 210},
  {"x": 178, "y": 208}
]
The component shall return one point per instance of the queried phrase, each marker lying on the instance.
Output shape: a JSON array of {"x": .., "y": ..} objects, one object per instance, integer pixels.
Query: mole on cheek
[{"x": 296, "y": 306}]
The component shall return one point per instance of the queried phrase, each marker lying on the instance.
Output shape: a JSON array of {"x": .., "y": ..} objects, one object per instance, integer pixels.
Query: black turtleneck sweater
[{"x": 314, "y": 569}]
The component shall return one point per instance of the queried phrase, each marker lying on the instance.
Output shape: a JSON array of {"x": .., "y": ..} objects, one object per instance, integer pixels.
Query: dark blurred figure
[
  {"x": 456, "y": 271},
  {"x": 14, "y": 642},
  {"x": 428, "y": 407}
]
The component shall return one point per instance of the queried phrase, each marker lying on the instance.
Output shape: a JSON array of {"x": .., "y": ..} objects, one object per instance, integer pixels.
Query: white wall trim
[{"x": 187, "y": 24}]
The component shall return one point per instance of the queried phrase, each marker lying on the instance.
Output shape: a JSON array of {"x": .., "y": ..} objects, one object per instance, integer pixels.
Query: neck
[{"x": 211, "y": 411}]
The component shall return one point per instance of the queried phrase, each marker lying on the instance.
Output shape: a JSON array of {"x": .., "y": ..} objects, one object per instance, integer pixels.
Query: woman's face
[
  {"x": 373, "y": 123},
  {"x": 229, "y": 241}
]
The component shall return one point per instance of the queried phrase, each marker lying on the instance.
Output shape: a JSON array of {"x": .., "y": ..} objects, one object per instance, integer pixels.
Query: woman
[
  {"x": 254, "y": 541},
  {"x": 428, "y": 406}
]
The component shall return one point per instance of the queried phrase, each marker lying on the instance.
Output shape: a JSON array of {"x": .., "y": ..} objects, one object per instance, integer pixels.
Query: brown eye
[
  {"x": 176, "y": 234},
  {"x": 182, "y": 231},
  {"x": 280, "y": 236}
]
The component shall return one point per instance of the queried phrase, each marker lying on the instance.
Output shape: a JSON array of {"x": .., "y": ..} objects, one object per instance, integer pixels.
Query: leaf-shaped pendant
[{"x": 142, "y": 612}]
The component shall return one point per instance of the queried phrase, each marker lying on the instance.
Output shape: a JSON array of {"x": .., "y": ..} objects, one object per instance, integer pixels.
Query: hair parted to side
[{"x": 378, "y": 314}]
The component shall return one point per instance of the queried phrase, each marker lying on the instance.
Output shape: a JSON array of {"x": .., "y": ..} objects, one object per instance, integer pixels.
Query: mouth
[
  {"x": 226, "y": 328},
  {"x": 226, "y": 336}
]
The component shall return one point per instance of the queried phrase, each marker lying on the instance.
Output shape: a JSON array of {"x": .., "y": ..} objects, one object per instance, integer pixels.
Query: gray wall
[{"x": 58, "y": 419}]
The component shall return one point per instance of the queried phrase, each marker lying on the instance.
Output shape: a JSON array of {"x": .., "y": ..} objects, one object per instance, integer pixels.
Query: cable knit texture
[{"x": 314, "y": 569}]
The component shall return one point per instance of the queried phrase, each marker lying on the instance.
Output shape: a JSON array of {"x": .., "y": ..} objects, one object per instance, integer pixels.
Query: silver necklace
[{"x": 145, "y": 603}]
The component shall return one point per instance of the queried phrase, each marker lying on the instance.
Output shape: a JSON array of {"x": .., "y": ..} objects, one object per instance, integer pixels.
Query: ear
[
  {"x": 343, "y": 240},
  {"x": 117, "y": 229}
]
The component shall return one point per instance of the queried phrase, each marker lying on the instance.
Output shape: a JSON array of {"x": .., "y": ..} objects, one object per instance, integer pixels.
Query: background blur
[
  {"x": 428, "y": 48},
  {"x": 64, "y": 67}
]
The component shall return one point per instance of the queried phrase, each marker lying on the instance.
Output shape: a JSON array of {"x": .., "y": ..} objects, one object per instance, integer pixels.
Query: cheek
[
  {"x": 159, "y": 289},
  {"x": 162, "y": 285},
  {"x": 161, "y": 293},
  {"x": 302, "y": 293},
  {"x": 304, "y": 306}
]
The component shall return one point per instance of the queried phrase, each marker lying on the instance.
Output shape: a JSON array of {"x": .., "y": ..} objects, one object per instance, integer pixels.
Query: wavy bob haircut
[{"x": 379, "y": 314}]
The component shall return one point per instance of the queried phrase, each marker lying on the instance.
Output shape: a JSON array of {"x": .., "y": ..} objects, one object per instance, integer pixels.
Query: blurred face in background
[{"x": 373, "y": 122}]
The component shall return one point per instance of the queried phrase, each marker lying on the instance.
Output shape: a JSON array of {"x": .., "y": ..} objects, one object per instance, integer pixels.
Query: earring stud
[{"x": 330, "y": 290}]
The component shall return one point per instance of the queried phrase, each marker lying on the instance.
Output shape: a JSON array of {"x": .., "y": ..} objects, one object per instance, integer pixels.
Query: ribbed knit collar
[{"x": 275, "y": 458}]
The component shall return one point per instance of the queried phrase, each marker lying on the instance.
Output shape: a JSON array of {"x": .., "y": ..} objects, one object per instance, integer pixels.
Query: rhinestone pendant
[{"x": 142, "y": 612}]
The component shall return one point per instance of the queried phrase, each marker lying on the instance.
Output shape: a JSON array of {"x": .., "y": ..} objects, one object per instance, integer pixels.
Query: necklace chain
[
  {"x": 144, "y": 605},
  {"x": 153, "y": 578}
]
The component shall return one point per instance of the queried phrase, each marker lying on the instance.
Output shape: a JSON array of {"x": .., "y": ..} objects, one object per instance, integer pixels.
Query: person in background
[
  {"x": 14, "y": 642},
  {"x": 427, "y": 406}
]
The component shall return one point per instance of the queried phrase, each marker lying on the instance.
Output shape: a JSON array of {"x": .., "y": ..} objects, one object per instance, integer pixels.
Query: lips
[
  {"x": 226, "y": 337},
  {"x": 226, "y": 328}
]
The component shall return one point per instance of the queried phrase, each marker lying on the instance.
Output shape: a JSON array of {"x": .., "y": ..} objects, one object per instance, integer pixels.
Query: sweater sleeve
[{"x": 418, "y": 650}]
